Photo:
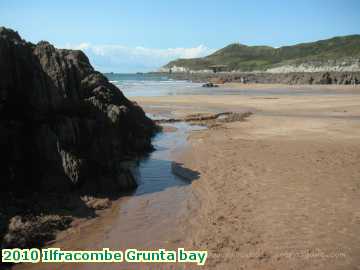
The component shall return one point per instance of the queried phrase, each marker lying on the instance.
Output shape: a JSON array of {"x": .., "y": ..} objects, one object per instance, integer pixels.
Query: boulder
[
  {"x": 30, "y": 232},
  {"x": 209, "y": 84}
]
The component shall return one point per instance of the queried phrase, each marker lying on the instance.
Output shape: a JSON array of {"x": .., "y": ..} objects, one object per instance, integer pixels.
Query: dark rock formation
[
  {"x": 343, "y": 78},
  {"x": 209, "y": 119},
  {"x": 23, "y": 233},
  {"x": 209, "y": 84},
  {"x": 62, "y": 124}
]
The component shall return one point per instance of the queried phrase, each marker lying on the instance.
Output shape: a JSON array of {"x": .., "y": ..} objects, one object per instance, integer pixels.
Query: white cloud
[
  {"x": 81, "y": 46},
  {"x": 120, "y": 58}
]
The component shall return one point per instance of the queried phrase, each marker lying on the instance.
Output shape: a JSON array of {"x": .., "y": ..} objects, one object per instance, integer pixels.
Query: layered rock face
[
  {"x": 341, "y": 78},
  {"x": 63, "y": 124}
]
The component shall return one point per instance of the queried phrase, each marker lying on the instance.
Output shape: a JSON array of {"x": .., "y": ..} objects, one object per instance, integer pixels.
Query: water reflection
[{"x": 158, "y": 172}]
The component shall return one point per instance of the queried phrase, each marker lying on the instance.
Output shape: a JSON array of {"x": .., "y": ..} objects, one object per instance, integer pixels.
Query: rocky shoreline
[
  {"x": 310, "y": 78},
  {"x": 209, "y": 120},
  {"x": 66, "y": 132}
]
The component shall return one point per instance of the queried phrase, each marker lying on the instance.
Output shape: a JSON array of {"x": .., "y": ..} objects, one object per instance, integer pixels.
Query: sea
[
  {"x": 154, "y": 84},
  {"x": 149, "y": 84}
]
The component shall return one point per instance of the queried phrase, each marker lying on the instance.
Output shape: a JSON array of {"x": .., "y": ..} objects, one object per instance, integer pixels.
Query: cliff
[{"x": 63, "y": 125}]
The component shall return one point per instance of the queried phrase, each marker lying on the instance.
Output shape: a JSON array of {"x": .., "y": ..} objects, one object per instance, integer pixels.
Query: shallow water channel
[
  {"x": 148, "y": 218},
  {"x": 155, "y": 173}
]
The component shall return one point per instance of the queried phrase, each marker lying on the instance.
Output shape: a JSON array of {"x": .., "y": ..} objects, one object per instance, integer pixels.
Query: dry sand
[{"x": 279, "y": 191}]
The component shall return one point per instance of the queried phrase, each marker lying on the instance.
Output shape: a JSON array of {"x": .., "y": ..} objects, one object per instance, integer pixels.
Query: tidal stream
[{"x": 147, "y": 219}]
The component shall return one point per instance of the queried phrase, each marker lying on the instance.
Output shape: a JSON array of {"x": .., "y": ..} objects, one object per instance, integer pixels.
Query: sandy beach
[
  {"x": 279, "y": 190},
  {"x": 181, "y": 135}
]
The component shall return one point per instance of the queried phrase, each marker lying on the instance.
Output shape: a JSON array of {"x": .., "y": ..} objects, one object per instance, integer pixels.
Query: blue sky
[{"x": 140, "y": 35}]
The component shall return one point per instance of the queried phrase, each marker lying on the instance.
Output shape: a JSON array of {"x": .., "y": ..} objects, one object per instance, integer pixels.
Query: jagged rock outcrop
[
  {"x": 63, "y": 124},
  {"x": 342, "y": 78}
]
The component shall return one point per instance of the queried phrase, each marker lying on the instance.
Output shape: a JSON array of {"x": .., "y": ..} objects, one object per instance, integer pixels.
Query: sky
[{"x": 143, "y": 35}]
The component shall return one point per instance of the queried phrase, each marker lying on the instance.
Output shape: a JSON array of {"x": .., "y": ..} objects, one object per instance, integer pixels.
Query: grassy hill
[{"x": 250, "y": 58}]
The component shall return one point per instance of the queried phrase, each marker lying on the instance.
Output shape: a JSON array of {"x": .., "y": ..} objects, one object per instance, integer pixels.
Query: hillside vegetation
[{"x": 249, "y": 58}]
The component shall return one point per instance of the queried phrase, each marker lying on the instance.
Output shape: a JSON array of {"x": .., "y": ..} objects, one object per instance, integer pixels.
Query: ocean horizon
[{"x": 151, "y": 84}]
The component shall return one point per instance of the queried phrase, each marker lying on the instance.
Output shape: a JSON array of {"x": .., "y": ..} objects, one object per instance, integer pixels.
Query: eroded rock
[
  {"x": 63, "y": 125},
  {"x": 65, "y": 130},
  {"x": 30, "y": 232}
]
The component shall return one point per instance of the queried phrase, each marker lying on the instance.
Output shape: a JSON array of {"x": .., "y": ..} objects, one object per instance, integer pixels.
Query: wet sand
[
  {"x": 149, "y": 219},
  {"x": 280, "y": 190},
  {"x": 277, "y": 191}
]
